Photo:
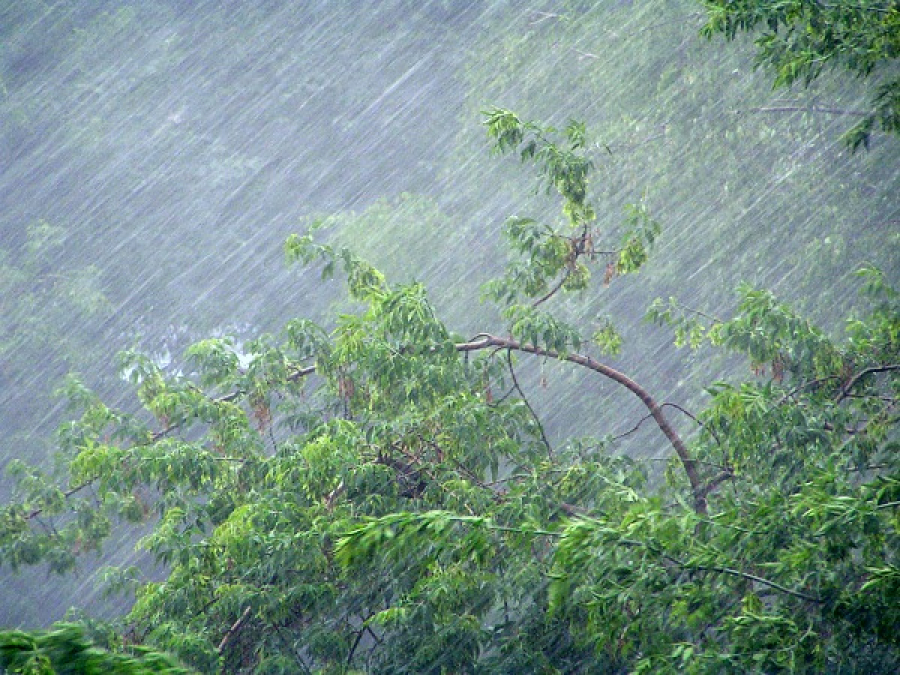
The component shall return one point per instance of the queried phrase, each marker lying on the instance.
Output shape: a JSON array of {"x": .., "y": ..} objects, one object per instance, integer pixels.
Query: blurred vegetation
[{"x": 66, "y": 649}]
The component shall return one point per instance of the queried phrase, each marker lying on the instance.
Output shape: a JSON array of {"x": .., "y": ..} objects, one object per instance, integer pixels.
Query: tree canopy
[
  {"x": 381, "y": 496},
  {"x": 378, "y": 492}
]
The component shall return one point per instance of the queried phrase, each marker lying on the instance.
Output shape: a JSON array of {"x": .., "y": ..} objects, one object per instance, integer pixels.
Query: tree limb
[
  {"x": 845, "y": 390},
  {"x": 486, "y": 341},
  {"x": 235, "y": 627}
]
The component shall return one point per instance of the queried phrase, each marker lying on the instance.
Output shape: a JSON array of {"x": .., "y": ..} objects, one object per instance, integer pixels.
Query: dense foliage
[
  {"x": 375, "y": 492},
  {"x": 382, "y": 496}
]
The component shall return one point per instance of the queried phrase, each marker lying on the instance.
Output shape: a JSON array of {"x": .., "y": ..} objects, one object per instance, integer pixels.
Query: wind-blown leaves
[
  {"x": 382, "y": 495},
  {"x": 801, "y": 39}
]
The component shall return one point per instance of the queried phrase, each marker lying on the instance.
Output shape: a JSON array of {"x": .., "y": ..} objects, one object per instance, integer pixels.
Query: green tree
[
  {"x": 800, "y": 39},
  {"x": 382, "y": 496}
]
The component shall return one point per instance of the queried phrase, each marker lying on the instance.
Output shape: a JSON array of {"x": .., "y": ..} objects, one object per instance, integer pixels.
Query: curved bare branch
[{"x": 689, "y": 464}]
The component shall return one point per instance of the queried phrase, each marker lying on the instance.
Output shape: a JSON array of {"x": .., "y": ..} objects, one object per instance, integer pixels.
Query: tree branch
[
  {"x": 235, "y": 627},
  {"x": 749, "y": 577},
  {"x": 799, "y": 108},
  {"x": 553, "y": 290},
  {"x": 845, "y": 390},
  {"x": 632, "y": 429},
  {"x": 693, "y": 417},
  {"x": 486, "y": 341},
  {"x": 727, "y": 474}
]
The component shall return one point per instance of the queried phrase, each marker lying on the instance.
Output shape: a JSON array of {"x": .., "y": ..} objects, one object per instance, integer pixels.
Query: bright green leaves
[
  {"x": 564, "y": 167},
  {"x": 544, "y": 255},
  {"x": 446, "y": 575},
  {"x": 67, "y": 649},
  {"x": 542, "y": 330},
  {"x": 774, "y": 337},
  {"x": 489, "y": 567},
  {"x": 774, "y": 642},
  {"x": 419, "y": 536},
  {"x": 691, "y": 328},
  {"x": 641, "y": 231},
  {"x": 72, "y": 525},
  {"x": 769, "y": 332},
  {"x": 607, "y": 338},
  {"x": 608, "y": 572},
  {"x": 364, "y": 281},
  {"x": 548, "y": 259},
  {"x": 409, "y": 319},
  {"x": 396, "y": 352},
  {"x": 215, "y": 359},
  {"x": 326, "y": 459},
  {"x": 508, "y": 131},
  {"x": 611, "y": 575}
]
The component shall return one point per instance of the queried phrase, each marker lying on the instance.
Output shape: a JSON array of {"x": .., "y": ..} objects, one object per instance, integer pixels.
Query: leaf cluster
[{"x": 800, "y": 39}]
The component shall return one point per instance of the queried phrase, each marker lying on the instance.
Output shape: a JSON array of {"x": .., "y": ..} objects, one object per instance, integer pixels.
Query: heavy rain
[{"x": 156, "y": 156}]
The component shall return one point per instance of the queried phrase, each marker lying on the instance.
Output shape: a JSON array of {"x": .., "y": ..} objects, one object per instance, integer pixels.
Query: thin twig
[
  {"x": 68, "y": 493},
  {"x": 754, "y": 578},
  {"x": 537, "y": 420},
  {"x": 798, "y": 108},
  {"x": 554, "y": 290},
  {"x": 845, "y": 390},
  {"x": 633, "y": 429},
  {"x": 693, "y": 417},
  {"x": 801, "y": 387}
]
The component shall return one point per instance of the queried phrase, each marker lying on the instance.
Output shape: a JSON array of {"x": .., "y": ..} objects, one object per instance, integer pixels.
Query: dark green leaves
[{"x": 800, "y": 39}]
